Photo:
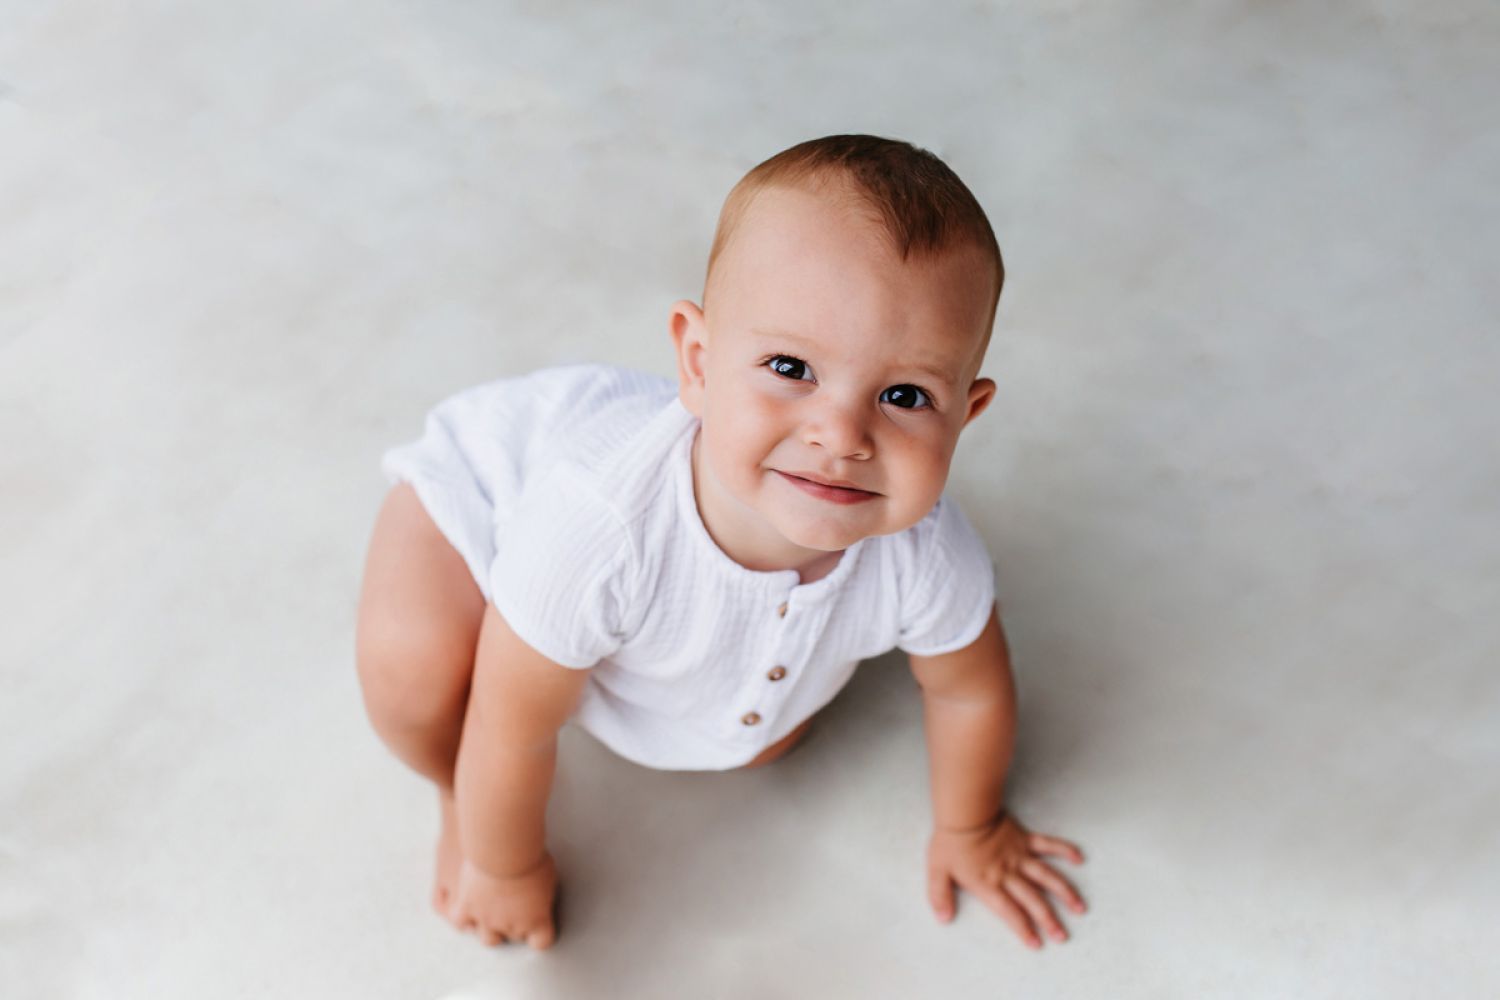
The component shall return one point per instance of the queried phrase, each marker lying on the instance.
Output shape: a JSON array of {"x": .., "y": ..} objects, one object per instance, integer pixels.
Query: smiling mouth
[{"x": 830, "y": 491}]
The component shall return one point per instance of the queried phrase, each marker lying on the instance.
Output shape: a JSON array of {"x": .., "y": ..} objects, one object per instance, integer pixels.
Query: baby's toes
[
  {"x": 446, "y": 866},
  {"x": 444, "y": 890}
]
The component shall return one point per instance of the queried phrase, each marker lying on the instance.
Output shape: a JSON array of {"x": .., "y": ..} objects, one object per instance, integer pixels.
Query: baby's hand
[
  {"x": 507, "y": 908},
  {"x": 1000, "y": 862}
]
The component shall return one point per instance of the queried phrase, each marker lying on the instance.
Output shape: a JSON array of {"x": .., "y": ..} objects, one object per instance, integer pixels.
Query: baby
[{"x": 691, "y": 571}]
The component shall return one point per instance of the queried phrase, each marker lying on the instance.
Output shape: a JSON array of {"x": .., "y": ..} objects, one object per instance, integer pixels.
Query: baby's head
[{"x": 851, "y": 289}]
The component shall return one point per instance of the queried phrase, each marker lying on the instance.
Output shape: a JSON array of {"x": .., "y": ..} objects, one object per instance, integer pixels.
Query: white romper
[{"x": 569, "y": 494}]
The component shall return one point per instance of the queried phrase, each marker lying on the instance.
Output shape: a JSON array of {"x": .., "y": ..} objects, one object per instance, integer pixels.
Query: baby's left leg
[
  {"x": 419, "y": 617},
  {"x": 417, "y": 629}
]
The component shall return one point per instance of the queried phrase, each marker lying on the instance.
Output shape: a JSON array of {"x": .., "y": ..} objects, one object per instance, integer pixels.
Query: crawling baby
[{"x": 690, "y": 571}]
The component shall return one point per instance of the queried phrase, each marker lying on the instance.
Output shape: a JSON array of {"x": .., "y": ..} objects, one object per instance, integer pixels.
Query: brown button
[
  {"x": 750, "y": 718},
  {"x": 781, "y": 611},
  {"x": 777, "y": 673}
]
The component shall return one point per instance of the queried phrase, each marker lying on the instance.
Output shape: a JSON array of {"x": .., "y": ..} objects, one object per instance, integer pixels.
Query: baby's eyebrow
[{"x": 932, "y": 368}]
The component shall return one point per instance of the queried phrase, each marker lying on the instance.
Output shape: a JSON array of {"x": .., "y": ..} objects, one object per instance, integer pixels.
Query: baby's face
[{"x": 823, "y": 357}]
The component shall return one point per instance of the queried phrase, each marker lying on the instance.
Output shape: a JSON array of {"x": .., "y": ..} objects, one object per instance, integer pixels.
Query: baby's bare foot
[{"x": 449, "y": 860}]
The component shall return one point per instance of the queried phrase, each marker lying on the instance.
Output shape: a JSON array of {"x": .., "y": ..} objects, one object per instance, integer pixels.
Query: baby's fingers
[
  {"x": 1007, "y": 910},
  {"x": 1055, "y": 846},
  {"x": 940, "y": 892},
  {"x": 1035, "y": 904},
  {"x": 1060, "y": 887}
]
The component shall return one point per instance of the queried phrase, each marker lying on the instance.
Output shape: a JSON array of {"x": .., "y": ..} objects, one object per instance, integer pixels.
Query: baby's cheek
[
  {"x": 733, "y": 450},
  {"x": 754, "y": 427},
  {"x": 928, "y": 476}
]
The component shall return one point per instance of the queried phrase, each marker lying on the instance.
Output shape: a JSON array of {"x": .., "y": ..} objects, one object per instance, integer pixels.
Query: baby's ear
[
  {"x": 981, "y": 394},
  {"x": 690, "y": 333}
]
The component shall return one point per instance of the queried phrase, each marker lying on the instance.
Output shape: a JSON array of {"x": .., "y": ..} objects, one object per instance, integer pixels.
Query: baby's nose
[{"x": 842, "y": 429}]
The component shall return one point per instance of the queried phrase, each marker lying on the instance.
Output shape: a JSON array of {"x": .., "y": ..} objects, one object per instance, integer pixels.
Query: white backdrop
[{"x": 1240, "y": 483}]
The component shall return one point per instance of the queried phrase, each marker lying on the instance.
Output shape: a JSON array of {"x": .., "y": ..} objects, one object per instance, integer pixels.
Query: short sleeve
[
  {"x": 948, "y": 589},
  {"x": 562, "y": 569}
]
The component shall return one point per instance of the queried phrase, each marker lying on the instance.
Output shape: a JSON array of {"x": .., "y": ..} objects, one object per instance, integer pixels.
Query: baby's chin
[{"x": 822, "y": 536}]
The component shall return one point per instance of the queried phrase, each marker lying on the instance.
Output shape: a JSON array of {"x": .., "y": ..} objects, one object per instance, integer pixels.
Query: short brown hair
[{"x": 924, "y": 207}]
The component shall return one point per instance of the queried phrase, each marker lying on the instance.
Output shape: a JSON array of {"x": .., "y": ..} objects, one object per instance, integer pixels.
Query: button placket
[
  {"x": 762, "y": 690},
  {"x": 766, "y": 691}
]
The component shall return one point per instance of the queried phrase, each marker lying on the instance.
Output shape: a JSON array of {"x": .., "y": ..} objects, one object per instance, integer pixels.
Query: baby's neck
[{"x": 820, "y": 567}]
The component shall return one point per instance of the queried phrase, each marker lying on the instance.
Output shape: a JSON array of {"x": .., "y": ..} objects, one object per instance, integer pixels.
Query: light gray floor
[{"x": 1240, "y": 482}]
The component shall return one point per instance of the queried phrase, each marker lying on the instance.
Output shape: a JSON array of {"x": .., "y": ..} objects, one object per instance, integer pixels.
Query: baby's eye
[
  {"x": 788, "y": 367},
  {"x": 908, "y": 397}
]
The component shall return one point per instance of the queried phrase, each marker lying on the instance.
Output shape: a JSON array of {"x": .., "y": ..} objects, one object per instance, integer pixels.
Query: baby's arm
[
  {"x": 969, "y": 709},
  {"x": 506, "y": 759}
]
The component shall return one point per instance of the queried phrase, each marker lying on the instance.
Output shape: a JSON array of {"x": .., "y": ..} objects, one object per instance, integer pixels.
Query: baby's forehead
[
  {"x": 780, "y": 210},
  {"x": 948, "y": 352},
  {"x": 781, "y": 218}
]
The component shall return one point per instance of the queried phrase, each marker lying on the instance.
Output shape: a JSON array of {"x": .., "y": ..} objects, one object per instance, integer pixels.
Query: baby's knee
[
  {"x": 418, "y": 620},
  {"x": 407, "y": 682}
]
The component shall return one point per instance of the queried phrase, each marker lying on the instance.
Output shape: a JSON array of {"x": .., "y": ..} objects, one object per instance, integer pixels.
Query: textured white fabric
[{"x": 569, "y": 493}]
